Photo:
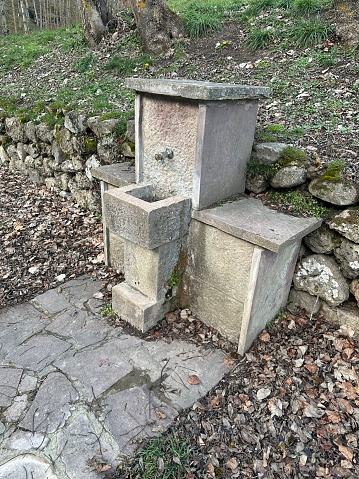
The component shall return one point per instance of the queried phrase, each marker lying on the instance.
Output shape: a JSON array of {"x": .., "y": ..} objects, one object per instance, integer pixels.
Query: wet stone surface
[{"x": 78, "y": 395}]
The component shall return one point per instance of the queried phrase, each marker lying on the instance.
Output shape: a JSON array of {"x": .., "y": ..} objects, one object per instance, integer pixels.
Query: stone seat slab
[
  {"x": 197, "y": 90},
  {"x": 250, "y": 220},
  {"x": 118, "y": 174}
]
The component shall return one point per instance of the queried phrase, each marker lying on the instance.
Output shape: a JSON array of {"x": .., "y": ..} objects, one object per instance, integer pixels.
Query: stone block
[
  {"x": 219, "y": 259},
  {"x": 347, "y": 314},
  {"x": 214, "y": 307},
  {"x": 116, "y": 252},
  {"x": 149, "y": 269},
  {"x": 304, "y": 300},
  {"x": 250, "y": 220},
  {"x": 267, "y": 290},
  {"x": 29, "y": 465},
  {"x": 136, "y": 308},
  {"x": 131, "y": 213},
  {"x": 197, "y": 90}
]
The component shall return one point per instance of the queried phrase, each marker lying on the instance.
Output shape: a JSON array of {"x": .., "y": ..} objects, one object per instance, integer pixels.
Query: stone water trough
[{"x": 179, "y": 224}]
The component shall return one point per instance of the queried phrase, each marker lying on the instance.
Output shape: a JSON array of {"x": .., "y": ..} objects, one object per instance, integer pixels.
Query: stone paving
[{"x": 77, "y": 395}]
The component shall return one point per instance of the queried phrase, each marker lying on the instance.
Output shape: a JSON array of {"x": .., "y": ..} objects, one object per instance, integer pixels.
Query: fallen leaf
[
  {"x": 102, "y": 468},
  {"x": 346, "y": 451},
  {"x": 160, "y": 414},
  {"x": 263, "y": 393},
  {"x": 312, "y": 411},
  {"x": 193, "y": 380},
  {"x": 232, "y": 463},
  {"x": 333, "y": 416},
  {"x": 312, "y": 368},
  {"x": 265, "y": 337},
  {"x": 275, "y": 407},
  {"x": 228, "y": 361}
]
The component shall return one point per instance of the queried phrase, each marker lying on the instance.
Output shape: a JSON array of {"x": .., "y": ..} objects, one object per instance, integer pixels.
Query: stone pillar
[{"x": 194, "y": 138}]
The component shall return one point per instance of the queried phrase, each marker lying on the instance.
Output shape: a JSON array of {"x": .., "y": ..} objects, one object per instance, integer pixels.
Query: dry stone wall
[
  {"x": 63, "y": 157},
  {"x": 327, "y": 273}
]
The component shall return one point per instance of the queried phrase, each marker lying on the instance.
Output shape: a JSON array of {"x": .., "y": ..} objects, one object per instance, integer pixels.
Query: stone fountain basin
[{"x": 134, "y": 213}]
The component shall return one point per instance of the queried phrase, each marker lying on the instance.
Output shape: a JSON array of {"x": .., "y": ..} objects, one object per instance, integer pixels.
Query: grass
[
  {"x": 299, "y": 203},
  {"x": 307, "y": 33},
  {"x": 162, "y": 457},
  {"x": 20, "y": 51}
]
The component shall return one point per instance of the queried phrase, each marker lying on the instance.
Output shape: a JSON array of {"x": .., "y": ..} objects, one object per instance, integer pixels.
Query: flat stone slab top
[
  {"x": 69, "y": 405},
  {"x": 118, "y": 174},
  {"x": 250, "y": 220},
  {"x": 197, "y": 90}
]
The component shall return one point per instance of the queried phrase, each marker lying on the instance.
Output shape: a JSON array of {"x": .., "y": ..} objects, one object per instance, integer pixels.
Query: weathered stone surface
[
  {"x": 347, "y": 256},
  {"x": 354, "y": 289},
  {"x": 91, "y": 163},
  {"x": 319, "y": 275},
  {"x": 44, "y": 133},
  {"x": 75, "y": 122},
  {"x": 136, "y": 308},
  {"x": 62, "y": 181},
  {"x": 128, "y": 150},
  {"x": 89, "y": 199},
  {"x": 267, "y": 153},
  {"x": 137, "y": 408},
  {"x": 116, "y": 252},
  {"x": 130, "y": 131},
  {"x": 336, "y": 192},
  {"x": 130, "y": 213},
  {"x": 322, "y": 240},
  {"x": 304, "y": 300},
  {"x": 19, "y": 323},
  {"x": 59, "y": 156},
  {"x": 9, "y": 381},
  {"x": 52, "y": 405},
  {"x": 257, "y": 183},
  {"x": 80, "y": 181},
  {"x": 250, "y": 220},
  {"x": 288, "y": 177},
  {"x": 109, "y": 150},
  {"x": 182, "y": 360},
  {"x": 77, "y": 454},
  {"x": 78, "y": 291},
  {"x": 28, "y": 383},
  {"x": 15, "y": 129},
  {"x": 347, "y": 313},
  {"x": 27, "y": 466},
  {"x": 102, "y": 127},
  {"x": 64, "y": 139},
  {"x": 30, "y": 131},
  {"x": 149, "y": 269},
  {"x": 71, "y": 166},
  {"x": 96, "y": 370},
  {"x": 347, "y": 224},
  {"x": 51, "y": 302},
  {"x": 23, "y": 440},
  {"x": 267, "y": 290},
  {"x": 198, "y": 90},
  {"x": 38, "y": 352},
  {"x": 4, "y": 158},
  {"x": 17, "y": 408},
  {"x": 120, "y": 174}
]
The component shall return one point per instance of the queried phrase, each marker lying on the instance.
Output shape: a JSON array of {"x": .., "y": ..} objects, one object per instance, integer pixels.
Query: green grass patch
[
  {"x": 306, "y": 33},
  {"x": 260, "y": 38},
  {"x": 299, "y": 203},
  {"x": 310, "y": 7},
  {"x": 162, "y": 457},
  {"x": 124, "y": 66},
  {"x": 20, "y": 51},
  {"x": 84, "y": 63}
]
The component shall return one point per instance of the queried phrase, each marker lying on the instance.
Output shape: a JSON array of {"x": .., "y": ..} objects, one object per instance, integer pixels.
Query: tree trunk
[
  {"x": 158, "y": 26},
  {"x": 94, "y": 20},
  {"x": 24, "y": 16},
  {"x": 4, "y": 29}
]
